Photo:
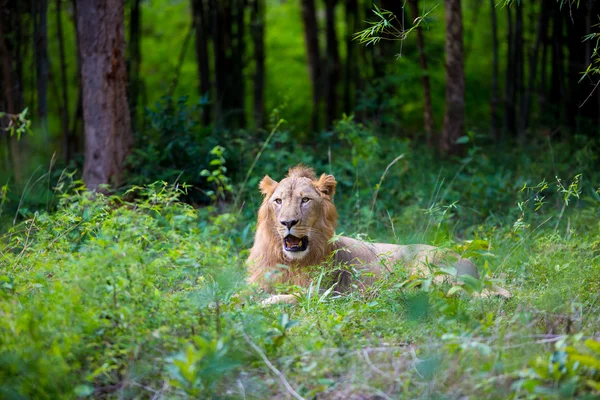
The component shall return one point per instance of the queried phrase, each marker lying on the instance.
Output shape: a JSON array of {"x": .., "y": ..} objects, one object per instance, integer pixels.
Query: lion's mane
[{"x": 267, "y": 262}]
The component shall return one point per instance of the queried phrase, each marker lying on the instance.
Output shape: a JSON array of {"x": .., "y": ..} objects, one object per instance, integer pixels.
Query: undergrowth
[{"x": 140, "y": 295}]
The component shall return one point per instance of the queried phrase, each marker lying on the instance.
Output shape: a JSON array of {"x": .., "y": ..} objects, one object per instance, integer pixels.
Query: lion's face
[{"x": 300, "y": 210}]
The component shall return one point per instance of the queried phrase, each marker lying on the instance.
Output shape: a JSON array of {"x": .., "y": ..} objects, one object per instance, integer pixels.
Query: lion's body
[{"x": 314, "y": 219}]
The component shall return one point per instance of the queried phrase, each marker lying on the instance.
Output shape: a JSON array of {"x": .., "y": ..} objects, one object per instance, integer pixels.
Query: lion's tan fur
[{"x": 267, "y": 256}]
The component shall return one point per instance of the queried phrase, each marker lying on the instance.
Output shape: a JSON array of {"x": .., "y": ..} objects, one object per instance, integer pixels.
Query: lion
[{"x": 296, "y": 224}]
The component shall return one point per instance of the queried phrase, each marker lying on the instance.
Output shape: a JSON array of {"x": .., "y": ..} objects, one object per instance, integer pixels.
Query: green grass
[{"x": 139, "y": 295}]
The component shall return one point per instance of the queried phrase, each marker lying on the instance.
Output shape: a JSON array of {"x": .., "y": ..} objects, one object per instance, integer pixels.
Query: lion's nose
[{"x": 289, "y": 223}]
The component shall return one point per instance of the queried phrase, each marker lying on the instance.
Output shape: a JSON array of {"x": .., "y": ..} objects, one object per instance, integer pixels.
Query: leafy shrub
[{"x": 172, "y": 146}]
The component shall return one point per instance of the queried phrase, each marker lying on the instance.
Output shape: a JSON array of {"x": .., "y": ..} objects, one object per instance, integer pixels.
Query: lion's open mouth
[{"x": 292, "y": 243}]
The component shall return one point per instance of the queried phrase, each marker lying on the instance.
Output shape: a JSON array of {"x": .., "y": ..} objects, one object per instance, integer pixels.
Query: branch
[{"x": 273, "y": 368}]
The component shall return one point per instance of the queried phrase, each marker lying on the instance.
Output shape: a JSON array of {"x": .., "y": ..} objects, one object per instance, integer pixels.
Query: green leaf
[
  {"x": 455, "y": 289},
  {"x": 83, "y": 390}
]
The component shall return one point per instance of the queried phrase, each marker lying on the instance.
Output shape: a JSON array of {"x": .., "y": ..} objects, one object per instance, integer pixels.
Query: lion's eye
[
  {"x": 305, "y": 200},
  {"x": 278, "y": 201}
]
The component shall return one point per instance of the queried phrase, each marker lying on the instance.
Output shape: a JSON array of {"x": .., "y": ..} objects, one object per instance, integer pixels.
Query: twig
[
  {"x": 590, "y": 95},
  {"x": 516, "y": 246},
  {"x": 277, "y": 372},
  {"x": 381, "y": 181}
]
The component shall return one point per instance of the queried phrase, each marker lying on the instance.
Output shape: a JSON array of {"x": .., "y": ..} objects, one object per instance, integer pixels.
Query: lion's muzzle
[{"x": 294, "y": 244}]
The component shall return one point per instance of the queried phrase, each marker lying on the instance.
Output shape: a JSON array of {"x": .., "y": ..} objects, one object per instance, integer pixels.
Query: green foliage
[
  {"x": 570, "y": 370},
  {"x": 173, "y": 147},
  {"x": 217, "y": 177},
  {"x": 18, "y": 124},
  {"x": 385, "y": 27},
  {"x": 140, "y": 295}
]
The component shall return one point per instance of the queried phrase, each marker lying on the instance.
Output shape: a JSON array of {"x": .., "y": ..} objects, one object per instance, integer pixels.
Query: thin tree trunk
[
  {"x": 180, "y": 60},
  {"x": 202, "y": 40},
  {"x": 428, "y": 107},
  {"x": 533, "y": 62},
  {"x": 455, "y": 78},
  {"x": 77, "y": 141},
  {"x": 313, "y": 53},
  {"x": 350, "y": 75},
  {"x": 107, "y": 123},
  {"x": 220, "y": 41},
  {"x": 134, "y": 60},
  {"x": 509, "y": 84},
  {"x": 258, "y": 40},
  {"x": 12, "y": 96},
  {"x": 237, "y": 58},
  {"x": 41, "y": 62},
  {"x": 558, "y": 84},
  {"x": 519, "y": 77},
  {"x": 64, "y": 109},
  {"x": 543, "y": 78},
  {"x": 495, "y": 74},
  {"x": 333, "y": 63}
]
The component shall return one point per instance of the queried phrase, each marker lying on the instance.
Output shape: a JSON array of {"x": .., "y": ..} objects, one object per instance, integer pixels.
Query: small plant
[
  {"x": 570, "y": 370},
  {"x": 276, "y": 336},
  {"x": 18, "y": 124},
  {"x": 384, "y": 28},
  {"x": 217, "y": 177},
  {"x": 198, "y": 369}
]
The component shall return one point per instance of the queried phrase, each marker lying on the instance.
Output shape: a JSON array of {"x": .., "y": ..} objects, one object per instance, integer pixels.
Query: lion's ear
[
  {"x": 326, "y": 185},
  {"x": 267, "y": 185}
]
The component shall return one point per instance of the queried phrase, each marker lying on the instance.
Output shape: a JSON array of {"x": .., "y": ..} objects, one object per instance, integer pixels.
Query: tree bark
[
  {"x": 200, "y": 18},
  {"x": 313, "y": 54},
  {"x": 519, "y": 77},
  {"x": 509, "y": 84},
  {"x": 455, "y": 78},
  {"x": 558, "y": 91},
  {"x": 12, "y": 97},
  {"x": 333, "y": 63},
  {"x": 428, "y": 107},
  {"x": 221, "y": 36},
  {"x": 77, "y": 141},
  {"x": 107, "y": 123},
  {"x": 350, "y": 72},
  {"x": 134, "y": 60},
  {"x": 533, "y": 63},
  {"x": 41, "y": 63},
  {"x": 237, "y": 83},
  {"x": 495, "y": 75},
  {"x": 258, "y": 40},
  {"x": 64, "y": 109}
]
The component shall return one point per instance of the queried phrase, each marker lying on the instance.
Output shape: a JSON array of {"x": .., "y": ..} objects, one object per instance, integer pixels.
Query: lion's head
[{"x": 295, "y": 221}]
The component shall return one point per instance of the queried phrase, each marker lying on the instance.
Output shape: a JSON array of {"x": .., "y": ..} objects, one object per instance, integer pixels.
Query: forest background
[{"x": 469, "y": 124}]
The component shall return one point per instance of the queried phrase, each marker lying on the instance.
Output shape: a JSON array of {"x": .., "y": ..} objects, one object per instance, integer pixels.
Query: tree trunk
[
  {"x": 428, "y": 108},
  {"x": 333, "y": 63},
  {"x": 237, "y": 83},
  {"x": 533, "y": 62},
  {"x": 107, "y": 123},
  {"x": 64, "y": 109},
  {"x": 41, "y": 63},
  {"x": 455, "y": 78},
  {"x": 350, "y": 75},
  {"x": 221, "y": 35},
  {"x": 519, "y": 66},
  {"x": 509, "y": 84},
  {"x": 495, "y": 75},
  {"x": 313, "y": 53},
  {"x": 258, "y": 40},
  {"x": 558, "y": 91},
  {"x": 134, "y": 60},
  {"x": 12, "y": 97},
  {"x": 200, "y": 17}
]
